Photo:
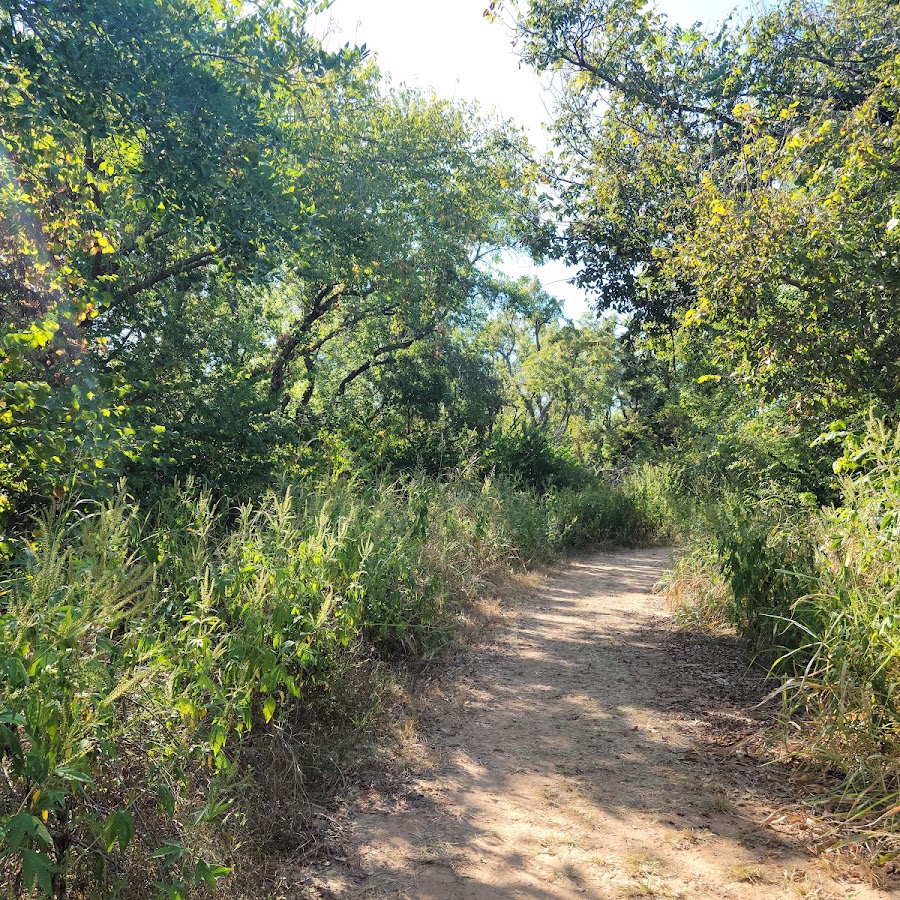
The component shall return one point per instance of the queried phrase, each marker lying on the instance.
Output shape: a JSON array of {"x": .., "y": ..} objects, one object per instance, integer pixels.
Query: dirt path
[{"x": 575, "y": 756}]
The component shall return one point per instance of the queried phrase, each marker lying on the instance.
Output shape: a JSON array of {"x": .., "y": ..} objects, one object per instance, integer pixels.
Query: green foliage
[
  {"x": 529, "y": 454},
  {"x": 559, "y": 380},
  {"x": 69, "y": 641},
  {"x": 653, "y": 490},
  {"x": 847, "y": 666},
  {"x": 136, "y": 153},
  {"x": 767, "y": 560},
  {"x": 695, "y": 587},
  {"x": 594, "y": 514},
  {"x": 139, "y": 654},
  {"x": 219, "y": 242},
  {"x": 743, "y": 189},
  {"x": 814, "y": 590}
]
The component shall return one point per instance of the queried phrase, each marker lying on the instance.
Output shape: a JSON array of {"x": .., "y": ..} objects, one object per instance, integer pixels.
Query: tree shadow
[{"x": 591, "y": 723}]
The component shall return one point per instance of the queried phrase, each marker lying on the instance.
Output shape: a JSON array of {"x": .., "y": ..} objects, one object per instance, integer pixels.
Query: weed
[
  {"x": 643, "y": 864},
  {"x": 178, "y": 678},
  {"x": 717, "y": 803},
  {"x": 746, "y": 875}
]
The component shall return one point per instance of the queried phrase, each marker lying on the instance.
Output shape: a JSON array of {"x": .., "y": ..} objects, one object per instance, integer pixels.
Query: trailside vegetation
[
  {"x": 270, "y": 413},
  {"x": 734, "y": 192},
  {"x": 154, "y": 657},
  {"x": 269, "y": 417}
]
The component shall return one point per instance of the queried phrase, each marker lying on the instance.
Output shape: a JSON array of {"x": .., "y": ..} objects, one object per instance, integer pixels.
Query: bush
[
  {"x": 528, "y": 455},
  {"x": 653, "y": 490},
  {"x": 139, "y": 652},
  {"x": 597, "y": 514},
  {"x": 848, "y": 668},
  {"x": 815, "y": 591},
  {"x": 767, "y": 558}
]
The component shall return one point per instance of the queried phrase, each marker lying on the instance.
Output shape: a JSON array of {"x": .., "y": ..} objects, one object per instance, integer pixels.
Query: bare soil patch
[{"x": 586, "y": 749}]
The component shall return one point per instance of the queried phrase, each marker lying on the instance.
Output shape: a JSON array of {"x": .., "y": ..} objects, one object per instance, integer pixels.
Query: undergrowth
[
  {"x": 177, "y": 677},
  {"x": 815, "y": 593}
]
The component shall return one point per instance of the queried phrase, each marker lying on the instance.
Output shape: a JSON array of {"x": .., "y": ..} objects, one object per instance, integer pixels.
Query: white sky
[{"x": 449, "y": 47}]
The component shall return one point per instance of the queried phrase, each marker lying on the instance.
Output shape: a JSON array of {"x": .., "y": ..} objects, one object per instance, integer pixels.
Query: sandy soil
[{"x": 586, "y": 749}]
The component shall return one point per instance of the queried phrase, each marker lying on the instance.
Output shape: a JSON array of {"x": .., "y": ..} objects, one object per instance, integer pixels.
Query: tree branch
[
  {"x": 322, "y": 301},
  {"x": 645, "y": 95},
  {"x": 190, "y": 264},
  {"x": 374, "y": 359}
]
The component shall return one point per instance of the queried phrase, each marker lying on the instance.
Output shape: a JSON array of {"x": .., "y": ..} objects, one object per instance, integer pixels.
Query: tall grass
[
  {"x": 817, "y": 594},
  {"x": 143, "y": 654},
  {"x": 847, "y": 670}
]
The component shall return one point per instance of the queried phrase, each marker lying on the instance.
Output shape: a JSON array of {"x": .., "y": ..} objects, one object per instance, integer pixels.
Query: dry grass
[
  {"x": 642, "y": 864},
  {"x": 747, "y": 874},
  {"x": 718, "y": 803},
  {"x": 648, "y": 886}
]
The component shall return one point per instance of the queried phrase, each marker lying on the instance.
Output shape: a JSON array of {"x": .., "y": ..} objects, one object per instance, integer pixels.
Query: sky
[{"x": 449, "y": 47}]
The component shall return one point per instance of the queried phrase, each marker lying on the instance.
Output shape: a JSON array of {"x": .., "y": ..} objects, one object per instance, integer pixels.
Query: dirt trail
[{"x": 577, "y": 758}]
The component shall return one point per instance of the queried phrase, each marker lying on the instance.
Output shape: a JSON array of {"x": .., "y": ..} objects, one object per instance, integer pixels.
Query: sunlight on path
[{"x": 569, "y": 769}]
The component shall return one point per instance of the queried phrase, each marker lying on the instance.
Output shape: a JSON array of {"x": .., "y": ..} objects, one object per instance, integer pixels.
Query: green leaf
[
  {"x": 71, "y": 772},
  {"x": 37, "y": 867},
  {"x": 17, "y": 829},
  {"x": 49, "y": 799},
  {"x": 166, "y": 799},
  {"x": 41, "y": 833},
  {"x": 170, "y": 852},
  {"x": 15, "y": 672},
  {"x": 207, "y": 874},
  {"x": 269, "y": 708},
  {"x": 10, "y": 743},
  {"x": 175, "y": 890},
  {"x": 118, "y": 827}
]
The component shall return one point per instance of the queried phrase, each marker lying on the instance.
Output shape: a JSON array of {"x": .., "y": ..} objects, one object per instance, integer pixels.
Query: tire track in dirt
[{"x": 576, "y": 758}]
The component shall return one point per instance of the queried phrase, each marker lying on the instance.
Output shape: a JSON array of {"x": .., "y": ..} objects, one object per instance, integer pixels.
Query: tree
[
  {"x": 795, "y": 245},
  {"x": 559, "y": 376},
  {"x": 216, "y": 234},
  {"x": 141, "y": 156},
  {"x": 740, "y": 184},
  {"x": 412, "y": 195}
]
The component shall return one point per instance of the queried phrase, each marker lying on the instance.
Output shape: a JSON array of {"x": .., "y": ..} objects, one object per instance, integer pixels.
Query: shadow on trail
[{"x": 579, "y": 732}]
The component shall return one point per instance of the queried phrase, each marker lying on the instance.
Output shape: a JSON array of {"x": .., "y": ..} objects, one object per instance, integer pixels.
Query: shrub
[
  {"x": 654, "y": 491},
  {"x": 139, "y": 651},
  {"x": 815, "y": 591},
  {"x": 848, "y": 667},
  {"x": 529, "y": 455},
  {"x": 70, "y": 650}
]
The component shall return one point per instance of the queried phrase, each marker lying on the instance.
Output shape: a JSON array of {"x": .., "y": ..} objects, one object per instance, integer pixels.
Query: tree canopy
[
  {"x": 219, "y": 238},
  {"x": 739, "y": 185}
]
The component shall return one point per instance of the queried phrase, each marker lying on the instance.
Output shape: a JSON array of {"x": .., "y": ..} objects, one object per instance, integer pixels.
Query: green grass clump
[
  {"x": 847, "y": 670},
  {"x": 816, "y": 592}
]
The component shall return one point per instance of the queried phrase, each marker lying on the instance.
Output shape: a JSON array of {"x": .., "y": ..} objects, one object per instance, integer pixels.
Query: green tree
[
  {"x": 412, "y": 195},
  {"x": 740, "y": 184},
  {"x": 217, "y": 238},
  {"x": 141, "y": 157},
  {"x": 559, "y": 377}
]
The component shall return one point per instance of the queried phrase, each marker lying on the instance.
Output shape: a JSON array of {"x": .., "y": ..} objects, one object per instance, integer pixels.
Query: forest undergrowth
[
  {"x": 235, "y": 263},
  {"x": 813, "y": 591},
  {"x": 189, "y": 681}
]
